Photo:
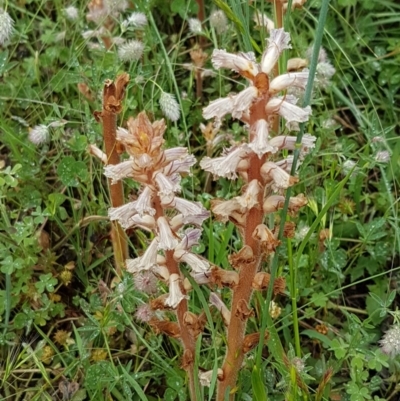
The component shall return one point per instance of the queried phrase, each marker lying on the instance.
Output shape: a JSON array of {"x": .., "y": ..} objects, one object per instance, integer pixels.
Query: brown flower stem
[
  {"x": 113, "y": 95},
  {"x": 188, "y": 342},
  {"x": 237, "y": 326},
  {"x": 202, "y": 41}
]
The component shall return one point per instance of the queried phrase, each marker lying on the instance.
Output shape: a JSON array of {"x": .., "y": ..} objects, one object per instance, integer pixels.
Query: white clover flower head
[
  {"x": 146, "y": 282},
  {"x": 39, "y": 134},
  {"x": 137, "y": 20},
  {"x": 131, "y": 50},
  {"x": 322, "y": 55},
  {"x": 116, "y": 6},
  {"x": 144, "y": 313},
  {"x": 219, "y": 21},
  {"x": 390, "y": 342},
  {"x": 382, "y": 156},
  {"x": 325, "y": 72},
  {"x": 169, "y": 106},
  {"x": 348, "y": 165},
  {"x": 195, "y": 26},
  {"x": 6, "y": 26},
  {"x": 71, "y": 13}
]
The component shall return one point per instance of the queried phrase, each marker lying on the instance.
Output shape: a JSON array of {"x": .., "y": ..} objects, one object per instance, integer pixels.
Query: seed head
[
  {"x": 169, "y": 106},
  {"x": 71, "y": 13},
  {"x": 219, "y": 21},
  {"x": 131, "y": 51},
  {"x": 39, "y": 134},
  {"x": 390, "y": 343},
  {"x": 382, "y": 156},
  {"x": 6, "y": 26},
  {"x": 194, "y": 26},
  {"x": 136, "y": 19}
]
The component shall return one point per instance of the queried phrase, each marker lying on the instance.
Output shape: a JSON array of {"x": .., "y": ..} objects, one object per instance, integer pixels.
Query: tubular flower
[{"x": 175, "y": 292}]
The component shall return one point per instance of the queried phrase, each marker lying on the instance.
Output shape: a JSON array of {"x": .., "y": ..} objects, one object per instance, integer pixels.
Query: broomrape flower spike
[
  {"x": 166, "y": 216},
  {"x": 263, "y": 101}
]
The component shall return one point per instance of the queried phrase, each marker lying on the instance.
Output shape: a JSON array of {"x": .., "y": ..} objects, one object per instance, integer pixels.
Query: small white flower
[
  {"x": 218, "y": 108},
  {"x": 136, "y": 19},
  {"x": 243, "y": 100},
  {"x": 301, "y": 233},
  {"x": 39, "y": 134},
  {"x": 217, "y": 302},
  {"x": 167, "y": 239},
  {"x": 145, "y": 262},
  {"x": 166, "y": 185},
  {"x": 289, "y": 111},
  {"x": 282, "y": 179},
  {"x": 225, "y": 165},
  {"x": 250, "y": 197},
  {"x": 71, "y": 13},
  {"x": 284, "y": 81},
  {"x": 241, "y": 63},
  {"x": 131, "y": 50},
  {"x": 145, "y": 282},
  {"x": 262, "y": 19},
  {"x": 118, "y": 171},
  {"x": 197, "y": 264},
  {"x": 259, "y": 142},
  {"x": 190, "y": 238},
  {"x": 175, "y": 293},
  {"x": 277, "y": 42},
  {"x": 390, "y": 343},
  {"x": 146, "y": 222},
  {"x": 205, "y": 377},
  {"x": 170, "y": 106},
  {"x": 274, "y": 310},
  {"x": 181, "y": 165},
  {"x": 6, "y": 26},
  {"x": 194, "y": 26},
  {"x": 219, "y": 21},
  {"x": 382, "y": 156},
  {"x": 185, "y": 207}
]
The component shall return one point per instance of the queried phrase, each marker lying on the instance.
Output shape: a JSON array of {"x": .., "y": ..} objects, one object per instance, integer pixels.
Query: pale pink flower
[
  {"x": 166, "y": 185},
  {"x": 119, "y": 171},
  {"x": 284, "y": 81},
  {"x": 289, "y": 111},
  {"x": 217, "y": 302},
  {"x": 175, "y": 293},
  {"x": 181, "y": 165},
  {"x": 185, "y": 207},
  {"x": 261, "y": 19},
  {"x": 145, "y": 262},
  {"x": 277, "y": 42},
  {"x": 281, "y": 179},
  {"x": 241, "y": 63},
  {"x": 197, "y": 264},
  {"x": 167, "y": 238},
  {"x": 260, "y": 144},
  {"x": 190, "y": 239},
  {"x": 226, "y": 165},
  {"x": 250, "y": 197}
]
